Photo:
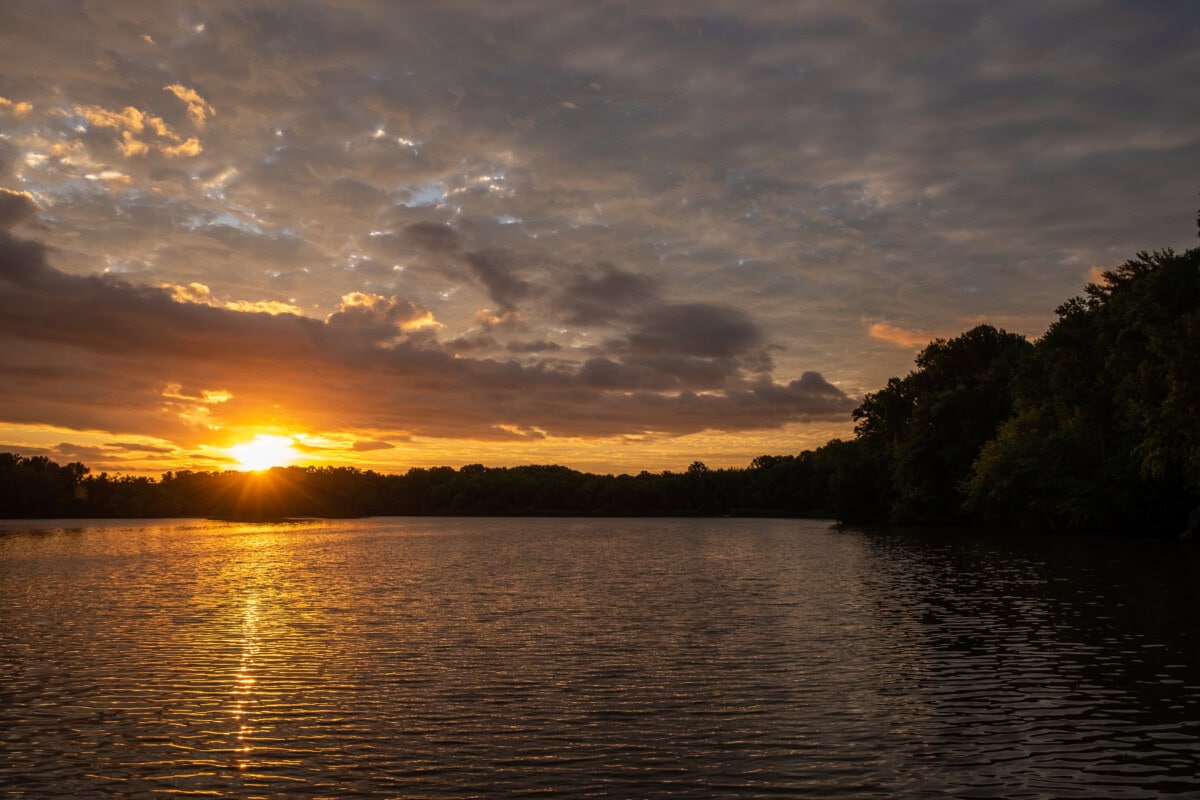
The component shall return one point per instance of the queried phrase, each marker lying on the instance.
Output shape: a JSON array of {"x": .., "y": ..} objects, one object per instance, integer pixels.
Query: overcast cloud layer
[{"x": 395, "y": 226}]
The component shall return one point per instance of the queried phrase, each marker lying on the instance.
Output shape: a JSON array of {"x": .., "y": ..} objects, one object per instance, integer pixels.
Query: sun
[{"x": 264, "y": 452}]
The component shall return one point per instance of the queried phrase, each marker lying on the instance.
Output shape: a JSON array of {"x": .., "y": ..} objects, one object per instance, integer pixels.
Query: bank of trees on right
[
  {"x": 1106, "y": 428},
  {"x": 1093, "y": 427}
]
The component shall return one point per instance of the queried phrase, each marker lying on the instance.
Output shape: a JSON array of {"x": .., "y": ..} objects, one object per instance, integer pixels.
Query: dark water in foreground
[{"x": 606, "y": 658}]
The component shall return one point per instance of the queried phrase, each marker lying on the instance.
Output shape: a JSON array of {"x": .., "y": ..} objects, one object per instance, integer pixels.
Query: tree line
[
  {"x": 772, "y": 485},
  {"x": 1093, "y": 427}
]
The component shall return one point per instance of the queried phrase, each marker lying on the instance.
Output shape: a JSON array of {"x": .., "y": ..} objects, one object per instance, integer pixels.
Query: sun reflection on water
[{"x": 243, "y": 690}]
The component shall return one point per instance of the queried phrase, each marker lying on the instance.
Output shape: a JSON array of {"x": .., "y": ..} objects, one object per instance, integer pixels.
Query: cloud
[
  {"x": 130, "y": 145},
  {"x": 137, "y": 447},
  {"x": 658, "y": 373},
  {"x": 367, "y": 445},
  {"x": 522, "y": 432},
  {"x": 132, "y": 124},
  {"x": 496, "y": 271},
  {"x": 128, "y": 119},
  {"x": 606, "y": 295},
  {"x": 198, "y": 109},
  {"x": 262, "y": 306},
  {"x": 98, "y": 352},
  {"x": 188, "y": 148},
  {"x": 432, "y": 237},
  {"x": 192, "y": 293},
  {"x": 199, "y": 293},
  {"x": 16, "y": 207},
  {"x": 817, "y": 168},
  {"x": 18, "y": 109},
  {"x": 534, "y": 346},
  {"x": 472, "y": 343},
  {"x": 695, "y": 329},
  {"x": 378, "y": 317},
  {"x": 1095, "y": 274},
  {"x": 352, "y": 193},
  {"x": 900, "y": 337}
]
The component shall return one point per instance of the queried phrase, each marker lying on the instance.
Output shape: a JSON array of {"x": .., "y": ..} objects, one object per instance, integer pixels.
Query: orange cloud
[
  {"x": 130, "y": 145},
  {"x": 489, "y": 319},
  {"x": 200, "y": 294},
  {"x": 422, "y": 322},
  {"x": 365, "y": 308},
  {"x": 67, "y": 151},
  {"x": 17, "y": 109},
  {"x": 134, "y": 124},
  {"x": 192, "y": 293},
  {"x": 128, "y": 119},
  {"x": 189, "y": 148},
  {"x": 900, "y": 337},
  {"x": 198, "y": 108},
  {"x": 262, "y": 307}
]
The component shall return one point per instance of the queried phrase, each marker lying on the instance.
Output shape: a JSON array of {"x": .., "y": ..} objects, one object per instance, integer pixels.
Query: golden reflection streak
[
  {"x": 255, "y": 588},
  {"x": 243, "y": 691}
]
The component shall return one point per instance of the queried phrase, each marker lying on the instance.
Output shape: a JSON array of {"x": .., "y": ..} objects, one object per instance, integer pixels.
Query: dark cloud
[
  {"x": 376, "y": 318},
  {"x": 607, "y": 295},
  {"x": 15, "y": 207},
  {"x": 662, "y": 373},
  {"x": 152, "y": 365},
  {"x": 368, "y": 445},
  {"x": 352, "y": 193},
  {"x": 523, "y": 432},
  {"x": 433, "y": 237},
  {"x": 77, "y": 452},
  {"x": 702, "y": 330},
  {"x": 135, "y": 447},
  {"x": 467, "y": 344},
  {"x": 496, "y": 271},
  {"x": 110, "y": 456},
  {"x": 533, "y": 346}
]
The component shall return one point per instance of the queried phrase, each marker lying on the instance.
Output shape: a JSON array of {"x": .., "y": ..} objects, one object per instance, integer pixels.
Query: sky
[{"x": 613, "y": 236}]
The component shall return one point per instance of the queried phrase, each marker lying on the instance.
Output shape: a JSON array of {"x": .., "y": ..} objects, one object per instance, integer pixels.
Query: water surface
[{"x": 602, "y": 658}]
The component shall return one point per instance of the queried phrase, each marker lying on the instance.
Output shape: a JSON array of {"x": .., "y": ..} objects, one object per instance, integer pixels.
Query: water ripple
[{"x": 558, "y": 658}]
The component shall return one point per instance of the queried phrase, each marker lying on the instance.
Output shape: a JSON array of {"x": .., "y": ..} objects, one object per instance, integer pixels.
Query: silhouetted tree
[{"x": 1106, "y": 433}]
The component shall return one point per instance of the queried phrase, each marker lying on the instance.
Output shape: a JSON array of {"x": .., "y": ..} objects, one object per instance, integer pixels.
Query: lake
[{"x": 424, "y": 658}]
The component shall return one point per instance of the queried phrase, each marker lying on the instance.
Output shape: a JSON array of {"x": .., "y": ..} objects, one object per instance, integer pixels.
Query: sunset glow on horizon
[
  {"x": 265, "y": 451},
  {"x": 612, "y": 237}
]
